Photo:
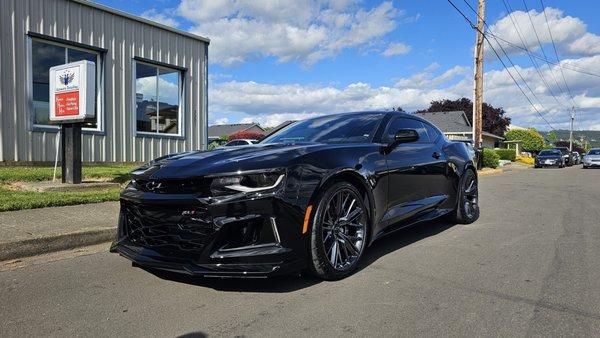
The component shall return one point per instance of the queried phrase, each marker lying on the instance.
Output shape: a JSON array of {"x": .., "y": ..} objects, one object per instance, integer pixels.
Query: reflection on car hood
[
  {"x": 592, "y": 157},
  {"x": 225, "y": 160}
]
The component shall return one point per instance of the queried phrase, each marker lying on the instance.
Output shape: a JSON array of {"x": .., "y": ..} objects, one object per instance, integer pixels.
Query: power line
[
  {"x": 511, "y": 62},
  {"x": 502, "y": 62},
  {"x": 550, "y": 62},
  {"x": 533, "y": 62},
  {"x": 556, "y": 52},
  {"x": 540, "y": 44}
]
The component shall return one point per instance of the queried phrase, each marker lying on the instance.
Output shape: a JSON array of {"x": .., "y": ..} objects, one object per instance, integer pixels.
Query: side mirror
[
  {"x": 405, "y": 136},
  {"x": 402, "y": 136}
]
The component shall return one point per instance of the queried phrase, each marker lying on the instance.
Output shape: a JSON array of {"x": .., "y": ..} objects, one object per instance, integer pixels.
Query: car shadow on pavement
[
  {"x": 282, "y": 284},
  {"x": 401, "y": 238}
]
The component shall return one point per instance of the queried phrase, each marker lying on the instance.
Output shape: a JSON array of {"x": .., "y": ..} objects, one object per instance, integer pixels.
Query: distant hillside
[{"x": 591, "y": 136}]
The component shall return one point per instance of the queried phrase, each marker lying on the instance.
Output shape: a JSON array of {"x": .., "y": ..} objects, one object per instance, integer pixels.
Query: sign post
[{"x": 72, "y": 101}]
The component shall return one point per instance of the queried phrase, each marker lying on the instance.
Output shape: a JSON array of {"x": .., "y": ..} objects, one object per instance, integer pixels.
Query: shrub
[
  {"x": 490, "y": 158},
  {"x": 213, "y": 145},
  {"x": 532, "y": 140},
  {"x": 526, "y": 160},
  {"x": 507, "y": 154},
  {"x": 246, "y": 135}
]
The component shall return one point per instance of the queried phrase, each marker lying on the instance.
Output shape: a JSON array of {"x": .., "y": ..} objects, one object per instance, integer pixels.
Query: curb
[
  {"x": 53, "y": 243},
  {"x": 489, "y": 172}
]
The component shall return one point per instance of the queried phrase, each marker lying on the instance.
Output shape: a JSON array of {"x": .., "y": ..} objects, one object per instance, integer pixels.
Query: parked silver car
[{"x": 592, "y": 158}]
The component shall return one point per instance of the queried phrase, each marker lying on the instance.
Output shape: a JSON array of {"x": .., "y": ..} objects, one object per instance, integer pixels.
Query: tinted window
[
  {"x": 349, "y": 128},
  {"x": 432, "y": 132},
  {"x": 594, "y": 152},
  {"x": 549, "y": 152},
  {"x": 405, "y": 123}
]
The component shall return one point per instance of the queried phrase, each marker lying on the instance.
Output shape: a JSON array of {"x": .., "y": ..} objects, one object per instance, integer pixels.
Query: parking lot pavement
[{"x": 529, "y": 266}]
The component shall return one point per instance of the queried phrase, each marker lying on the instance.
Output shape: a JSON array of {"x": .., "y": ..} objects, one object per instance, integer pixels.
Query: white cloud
[
  {"x": 271, "y": 104},
  {"x": 396, "y": 49},
  {"x": 165, "y": 19},
  {"x": 569, "y": 33},
  {"x": 222, "y": 120},
  {"x": 304, "y": 31}
]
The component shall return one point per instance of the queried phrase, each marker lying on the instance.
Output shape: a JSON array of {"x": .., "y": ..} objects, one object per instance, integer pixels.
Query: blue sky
[{"x": 278, "y": 60}]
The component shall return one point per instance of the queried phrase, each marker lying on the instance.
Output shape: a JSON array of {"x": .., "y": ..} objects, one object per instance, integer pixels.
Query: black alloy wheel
[
  {"x": 467, "y": 208},
  {"x": 339, "y": 232}
]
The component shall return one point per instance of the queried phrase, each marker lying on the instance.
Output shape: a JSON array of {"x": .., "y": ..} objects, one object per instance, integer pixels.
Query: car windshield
[
  {"x": 550, "y": 153},
  {"x": 594, "y": 152},
  {"x": 343, "y": 128}
]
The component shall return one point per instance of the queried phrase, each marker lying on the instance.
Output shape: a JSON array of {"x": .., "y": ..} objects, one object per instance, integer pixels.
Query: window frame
[
  {"x": 182, "y": 94},
  {"x": 100, "y": 90},
  {"x": 394, "y": 118}
]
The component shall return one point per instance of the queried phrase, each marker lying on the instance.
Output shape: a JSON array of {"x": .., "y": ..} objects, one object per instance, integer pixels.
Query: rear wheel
[
  {"x": 467, "y": 207},
  {"x": 339, "y": 232}
]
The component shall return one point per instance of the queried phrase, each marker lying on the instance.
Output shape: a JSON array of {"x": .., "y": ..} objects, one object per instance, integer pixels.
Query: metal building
[{"x": 151, "y": 88}]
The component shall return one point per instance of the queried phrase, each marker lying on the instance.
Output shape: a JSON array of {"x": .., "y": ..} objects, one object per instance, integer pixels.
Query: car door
[{"x": 416, "y": 172}]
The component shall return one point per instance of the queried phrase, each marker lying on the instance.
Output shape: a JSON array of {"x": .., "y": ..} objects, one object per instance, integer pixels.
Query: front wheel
[
  {"x": 467, "y": 207},
  {"x": 339, "y": 232}
]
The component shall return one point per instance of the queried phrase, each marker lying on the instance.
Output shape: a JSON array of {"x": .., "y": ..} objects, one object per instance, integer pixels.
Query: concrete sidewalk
[{"x": 36, "y": 231}]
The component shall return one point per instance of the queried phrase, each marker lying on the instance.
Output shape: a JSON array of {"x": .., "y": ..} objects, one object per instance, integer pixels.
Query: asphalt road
[{"x": 529, "y": 267}]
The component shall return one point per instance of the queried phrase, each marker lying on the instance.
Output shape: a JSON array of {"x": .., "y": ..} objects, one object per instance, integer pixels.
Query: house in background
[
  {"x": 456, "y": 126},
  {"x": 216, "y": 131}
]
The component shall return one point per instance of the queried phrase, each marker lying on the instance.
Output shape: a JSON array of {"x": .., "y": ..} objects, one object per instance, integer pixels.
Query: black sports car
[
  {"x": 313, "y": 196},
  {"x": 549, "y": 158}
]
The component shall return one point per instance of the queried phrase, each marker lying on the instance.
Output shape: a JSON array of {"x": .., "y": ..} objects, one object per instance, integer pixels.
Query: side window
[
  {"x": 157, "y": 96},
  {"x": 432, "y": 132},
  {"x": 405, "y": 123}
]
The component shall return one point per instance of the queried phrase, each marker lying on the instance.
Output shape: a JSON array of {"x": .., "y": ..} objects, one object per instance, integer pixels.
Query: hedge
[
  {"x": 507, "y": 154},
  {"x": 490, "y": 158}
]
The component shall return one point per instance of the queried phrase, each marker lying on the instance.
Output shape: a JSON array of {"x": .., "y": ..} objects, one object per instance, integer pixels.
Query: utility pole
[
  {"x": 478, "y": 90},
  {"x": 571, "y": 133}
]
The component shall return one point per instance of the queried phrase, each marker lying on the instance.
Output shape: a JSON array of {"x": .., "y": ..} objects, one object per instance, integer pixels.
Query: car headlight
[{"x": 246, "y": 183}]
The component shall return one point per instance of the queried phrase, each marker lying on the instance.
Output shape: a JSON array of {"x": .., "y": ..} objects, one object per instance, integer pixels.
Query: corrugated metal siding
[{"x": 124, "y": 39}]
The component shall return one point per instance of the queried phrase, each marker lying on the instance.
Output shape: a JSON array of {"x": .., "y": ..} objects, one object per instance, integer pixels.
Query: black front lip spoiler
[{"x": 229, "y": 270}]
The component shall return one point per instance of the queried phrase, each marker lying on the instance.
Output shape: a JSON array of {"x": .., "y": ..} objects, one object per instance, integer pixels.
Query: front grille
[
  {"x": 199, "y": 186},
  {"x": 168, "y": 230}
]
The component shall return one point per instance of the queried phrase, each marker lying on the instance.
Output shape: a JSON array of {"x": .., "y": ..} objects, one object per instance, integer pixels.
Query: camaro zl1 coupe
[{"x": 311, "y": 197}]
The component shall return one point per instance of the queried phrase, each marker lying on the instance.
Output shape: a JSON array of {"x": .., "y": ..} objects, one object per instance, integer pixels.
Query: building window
[
  {"x": 46, "y": 54},
  {"x": 157, "y": 99}
]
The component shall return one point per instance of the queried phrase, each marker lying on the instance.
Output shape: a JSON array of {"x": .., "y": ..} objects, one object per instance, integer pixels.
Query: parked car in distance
[
  {"x": 576, "y": 158},
  {"x": 312, "y": 196},
  {"x": 592, "y": 158},
  {"x": 549, "y": 158},
  {"x": 240, "y": 142},
  {"x": 567, "y": 155}
]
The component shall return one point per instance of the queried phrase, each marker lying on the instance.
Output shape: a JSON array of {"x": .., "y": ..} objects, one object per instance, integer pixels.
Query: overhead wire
[{"x": 503, "y": 64}]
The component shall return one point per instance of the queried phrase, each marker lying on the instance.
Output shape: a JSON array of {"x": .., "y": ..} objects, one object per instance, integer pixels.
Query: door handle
[{"x": 436, "y": 155}]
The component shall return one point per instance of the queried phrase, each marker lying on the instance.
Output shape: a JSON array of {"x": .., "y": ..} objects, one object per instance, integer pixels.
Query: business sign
[{"x": 72, "y": 92}]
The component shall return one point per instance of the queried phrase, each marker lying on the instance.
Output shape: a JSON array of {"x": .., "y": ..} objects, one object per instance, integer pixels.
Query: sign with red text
[{"x": 72, "y": 92}]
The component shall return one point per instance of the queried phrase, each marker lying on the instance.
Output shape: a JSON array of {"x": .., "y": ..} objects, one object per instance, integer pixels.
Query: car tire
[
  {"x": 467, "y": 205},
  {"x": 561, "y": 165},
  {"x": 328, "y": 229}
]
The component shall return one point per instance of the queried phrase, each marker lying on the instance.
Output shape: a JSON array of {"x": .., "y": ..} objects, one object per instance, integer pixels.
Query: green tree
[
  {"x": 552, "y": 137},
  {"x": 532, "y": 141}
]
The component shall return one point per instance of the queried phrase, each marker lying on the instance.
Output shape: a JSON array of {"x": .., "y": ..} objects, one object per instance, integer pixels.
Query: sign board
[{"x": 72, "y": 92}]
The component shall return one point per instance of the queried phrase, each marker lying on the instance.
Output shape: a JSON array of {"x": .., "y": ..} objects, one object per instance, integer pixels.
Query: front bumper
[
  {"x": 244, "y": 236},
  {"x": 551, "y": 164}
]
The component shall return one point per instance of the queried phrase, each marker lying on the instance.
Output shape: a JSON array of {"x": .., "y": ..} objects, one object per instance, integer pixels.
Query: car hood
[
  {"x": 592, "y": 157},
  {"x": 224, "y": 160}
]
